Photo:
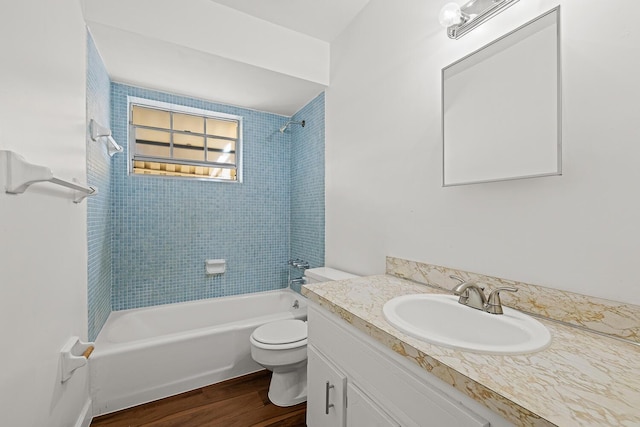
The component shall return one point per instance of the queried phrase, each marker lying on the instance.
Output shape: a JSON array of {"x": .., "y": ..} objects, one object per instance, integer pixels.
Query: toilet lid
[{"x": 281, "y": 332}]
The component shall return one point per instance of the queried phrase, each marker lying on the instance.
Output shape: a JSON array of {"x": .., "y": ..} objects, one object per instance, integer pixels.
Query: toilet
[{"x": 281, "y": 347}]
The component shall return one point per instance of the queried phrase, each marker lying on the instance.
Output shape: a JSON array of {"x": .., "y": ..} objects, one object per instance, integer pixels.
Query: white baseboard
[{"x": 86, "y": 415}]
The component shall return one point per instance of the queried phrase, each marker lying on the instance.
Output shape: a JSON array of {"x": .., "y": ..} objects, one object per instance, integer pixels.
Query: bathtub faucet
[
  {"x": 299, "y": 281},
  {"x": 299, "y": 264}
]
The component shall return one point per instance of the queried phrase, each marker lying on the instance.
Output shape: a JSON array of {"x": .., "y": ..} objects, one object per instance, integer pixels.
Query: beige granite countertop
[{"x": 581, "y": 379}]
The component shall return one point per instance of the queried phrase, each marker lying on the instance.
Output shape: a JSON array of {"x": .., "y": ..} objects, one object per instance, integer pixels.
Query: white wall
[
  {"x": 211, "y": 51},
  {"x": 204, "y": 23},
  {"x": 43, "y": 257},
  {"x": 579, "y": 232}
]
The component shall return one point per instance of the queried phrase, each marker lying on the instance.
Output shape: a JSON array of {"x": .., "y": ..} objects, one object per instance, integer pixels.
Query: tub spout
[{"x": 299, "y": 281}]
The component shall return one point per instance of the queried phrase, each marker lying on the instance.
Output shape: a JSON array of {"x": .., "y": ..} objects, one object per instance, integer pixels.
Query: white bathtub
[{"x": 149, "y": 353}]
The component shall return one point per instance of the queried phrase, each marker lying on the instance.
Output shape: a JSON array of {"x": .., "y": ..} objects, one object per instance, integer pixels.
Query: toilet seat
[{"x": 281, "y": 334}]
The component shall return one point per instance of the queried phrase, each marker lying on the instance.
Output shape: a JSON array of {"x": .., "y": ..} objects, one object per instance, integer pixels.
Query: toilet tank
[{"x": 326, "y": 274}]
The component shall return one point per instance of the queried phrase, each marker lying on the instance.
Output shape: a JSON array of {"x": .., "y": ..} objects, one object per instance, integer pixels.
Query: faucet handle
[
  {"x": 494, "y": 305},
  {"x": 299, "y": 264}
]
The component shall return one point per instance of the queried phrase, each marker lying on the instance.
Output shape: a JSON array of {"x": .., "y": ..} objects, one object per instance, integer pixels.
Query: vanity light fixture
[{"x": 459, "y": 20}]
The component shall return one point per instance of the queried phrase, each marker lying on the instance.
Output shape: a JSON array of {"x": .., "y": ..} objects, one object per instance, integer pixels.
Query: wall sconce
[{"x": 459, "y": 20}]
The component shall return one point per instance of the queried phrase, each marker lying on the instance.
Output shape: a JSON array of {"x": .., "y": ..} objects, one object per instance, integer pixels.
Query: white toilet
[{"x": 281, "y": 347}]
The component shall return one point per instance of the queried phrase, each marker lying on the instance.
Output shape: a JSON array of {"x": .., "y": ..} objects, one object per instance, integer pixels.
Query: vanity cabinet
[
  {"x": 329, "y": 391},
  {"x": 363, "y": 412},
  {"x": 326, "y": 387},
  {"x": 369, "y": 385}
]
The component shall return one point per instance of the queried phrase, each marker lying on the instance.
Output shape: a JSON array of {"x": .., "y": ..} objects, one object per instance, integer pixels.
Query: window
[{"x": 172, "y": 140}]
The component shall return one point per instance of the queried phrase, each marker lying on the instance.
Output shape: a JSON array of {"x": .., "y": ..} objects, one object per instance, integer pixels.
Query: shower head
[{"x": 289, "y": 123}]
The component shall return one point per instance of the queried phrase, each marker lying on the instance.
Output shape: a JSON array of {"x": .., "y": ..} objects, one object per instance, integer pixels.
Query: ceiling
[
  {"x": 268, "y": 55},
  {"x": 321, "y": 19}
]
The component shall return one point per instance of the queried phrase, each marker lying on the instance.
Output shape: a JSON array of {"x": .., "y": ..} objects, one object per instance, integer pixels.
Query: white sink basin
[{"x": 440, "y": 319}]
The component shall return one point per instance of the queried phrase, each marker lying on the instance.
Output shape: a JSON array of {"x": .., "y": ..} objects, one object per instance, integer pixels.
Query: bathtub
[{"x": 149, "y": 353}]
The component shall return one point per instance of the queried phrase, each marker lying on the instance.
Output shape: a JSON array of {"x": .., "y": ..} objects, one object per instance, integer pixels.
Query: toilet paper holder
[{"x": 73, "y": 355}]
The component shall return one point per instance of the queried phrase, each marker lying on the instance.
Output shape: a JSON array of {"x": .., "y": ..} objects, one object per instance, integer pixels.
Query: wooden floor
[{"x": 240, "y": 402}]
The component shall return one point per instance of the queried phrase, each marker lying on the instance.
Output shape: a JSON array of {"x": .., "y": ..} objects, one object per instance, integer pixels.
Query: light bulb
[{"x": 450, "y": 14}]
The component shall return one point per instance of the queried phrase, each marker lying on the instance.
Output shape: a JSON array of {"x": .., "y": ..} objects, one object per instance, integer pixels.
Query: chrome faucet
[
  {"x": 472, "y": 295},
  {"x": 300, "y": 281},
  {"x": 299, "y": 264}
]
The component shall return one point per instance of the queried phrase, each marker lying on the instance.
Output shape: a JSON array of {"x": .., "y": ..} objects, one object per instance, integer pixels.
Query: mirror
[{"x": 501, "y": 108}]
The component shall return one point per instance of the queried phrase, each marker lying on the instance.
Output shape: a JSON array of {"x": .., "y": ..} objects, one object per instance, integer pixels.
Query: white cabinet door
[
  {"x": 362, "y": 412},
  {"x": 326, "y": 392}
]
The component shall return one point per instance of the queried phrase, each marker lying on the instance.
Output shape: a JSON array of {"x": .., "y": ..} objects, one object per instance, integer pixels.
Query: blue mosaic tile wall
[
  {"x": 307, "y": 184},
  {"x": 165, "y": 228},
  {"x": 99, "y": 206}
]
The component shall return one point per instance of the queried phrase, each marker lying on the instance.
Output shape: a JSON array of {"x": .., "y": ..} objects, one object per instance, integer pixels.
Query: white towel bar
[{"x": 21, "y": 174}]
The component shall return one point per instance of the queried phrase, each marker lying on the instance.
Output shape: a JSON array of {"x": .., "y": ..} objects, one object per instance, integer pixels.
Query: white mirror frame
[{"x": 511, "y": 149}]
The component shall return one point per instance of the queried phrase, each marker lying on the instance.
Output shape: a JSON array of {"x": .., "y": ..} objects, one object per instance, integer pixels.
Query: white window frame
[{"x": 143, "y": 102}]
